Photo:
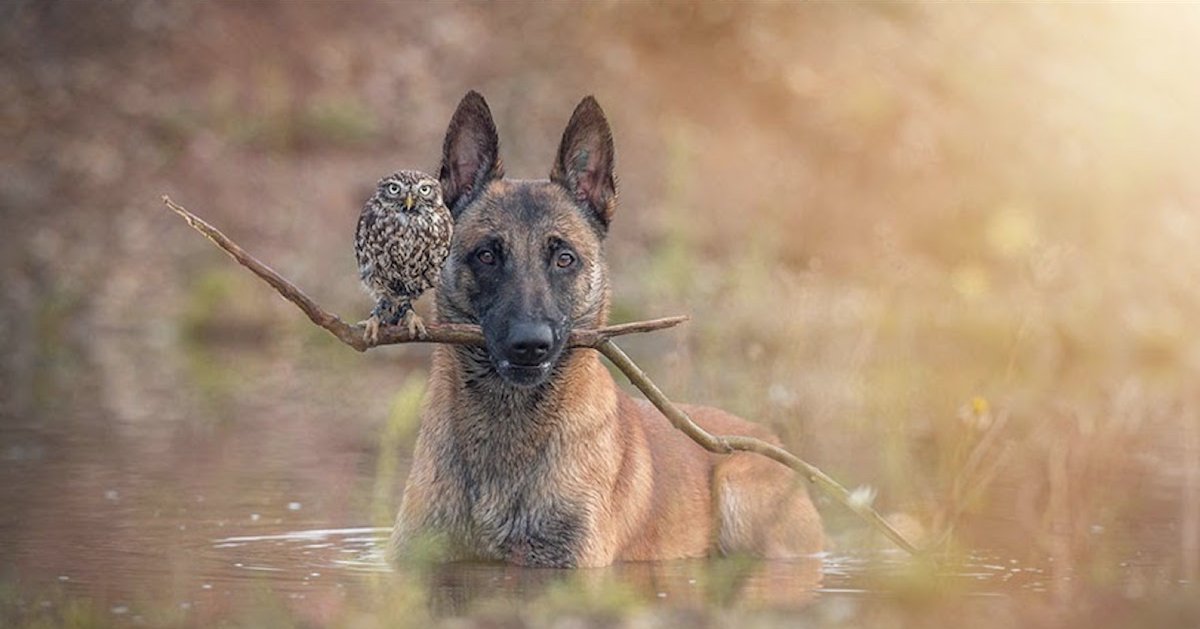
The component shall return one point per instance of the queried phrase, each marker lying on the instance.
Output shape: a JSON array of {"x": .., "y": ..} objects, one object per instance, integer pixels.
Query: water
[
  {"x": 310, "y": 567},
  {"x": 151, "y": 483}
]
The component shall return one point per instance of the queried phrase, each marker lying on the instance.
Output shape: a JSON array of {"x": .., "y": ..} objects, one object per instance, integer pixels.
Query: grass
[
  {"x": 398, "y": 437},
  {"x": 23, "y": 608}
]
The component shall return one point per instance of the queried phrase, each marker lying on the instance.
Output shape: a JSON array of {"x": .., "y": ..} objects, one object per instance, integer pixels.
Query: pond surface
[{"x": 145, "y": 485}]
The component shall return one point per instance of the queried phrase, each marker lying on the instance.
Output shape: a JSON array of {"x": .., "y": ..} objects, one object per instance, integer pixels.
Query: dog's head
[{"x": 527, "y": 259}]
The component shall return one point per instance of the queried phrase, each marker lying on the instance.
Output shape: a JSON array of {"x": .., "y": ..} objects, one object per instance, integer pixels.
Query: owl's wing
[
  {"x": 364, "y": 243},
  {"x": 444, "y": 229},
  {"x": 444, "y": 226}
]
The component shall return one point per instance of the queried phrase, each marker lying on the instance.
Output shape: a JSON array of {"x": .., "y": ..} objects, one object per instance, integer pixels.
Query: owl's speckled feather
[{"x": 402, "y": 241}]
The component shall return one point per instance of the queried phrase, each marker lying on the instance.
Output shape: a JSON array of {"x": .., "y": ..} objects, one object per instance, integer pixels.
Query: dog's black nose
[{"x": 529, "y": 343}]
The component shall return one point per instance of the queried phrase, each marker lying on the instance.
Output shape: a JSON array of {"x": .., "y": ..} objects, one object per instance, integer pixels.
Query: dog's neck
[{"x": 487, "y": 406}]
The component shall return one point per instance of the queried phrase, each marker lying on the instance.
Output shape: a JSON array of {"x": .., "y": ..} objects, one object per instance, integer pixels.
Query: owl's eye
[
  {"x": 486, "y": 256},
  {"x": 425, "y": 189},
  {"x": 392, "y": 189},
  {"x": 564, "y": 259}
]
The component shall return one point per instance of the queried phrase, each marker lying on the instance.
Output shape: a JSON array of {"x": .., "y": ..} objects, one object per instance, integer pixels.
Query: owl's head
[{"x": 408, "y": 191}]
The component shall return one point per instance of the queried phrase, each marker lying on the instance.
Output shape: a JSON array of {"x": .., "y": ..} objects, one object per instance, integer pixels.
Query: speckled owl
[{"x": 402, "y": 240}]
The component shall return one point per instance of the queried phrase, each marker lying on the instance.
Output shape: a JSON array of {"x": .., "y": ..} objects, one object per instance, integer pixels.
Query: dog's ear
[
  {"x": 470, "y": 154},
  {"x": 585, "y": 161}
]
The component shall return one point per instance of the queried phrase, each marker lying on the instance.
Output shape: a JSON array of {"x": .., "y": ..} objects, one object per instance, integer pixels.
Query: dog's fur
[{"x": 528, "y": 452}]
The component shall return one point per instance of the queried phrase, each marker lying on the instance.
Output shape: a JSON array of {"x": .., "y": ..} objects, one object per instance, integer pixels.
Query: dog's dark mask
[
  {"x": 524, "y": 302},
  {"x": 526, "y": 262}
]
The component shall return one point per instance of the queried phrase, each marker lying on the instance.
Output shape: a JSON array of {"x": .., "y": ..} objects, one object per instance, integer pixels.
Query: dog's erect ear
[
  {"x": 470, "y": 154},
  {"x": 585, "y": 161}
]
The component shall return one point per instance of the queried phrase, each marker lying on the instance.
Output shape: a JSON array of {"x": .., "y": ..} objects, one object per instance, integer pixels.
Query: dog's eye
[
  {"x": 486, "y": 256},
  {"x": 564, "y": 259},
  {"x": 392, "y": 189}
]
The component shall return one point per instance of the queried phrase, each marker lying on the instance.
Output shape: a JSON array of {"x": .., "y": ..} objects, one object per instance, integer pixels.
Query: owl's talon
[
  {"x": 416, "y": 327},
  {"x": 371, "y": 333}
]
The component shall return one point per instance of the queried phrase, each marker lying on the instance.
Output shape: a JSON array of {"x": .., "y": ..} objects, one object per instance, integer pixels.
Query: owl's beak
[{"x": 409, "y": 201}]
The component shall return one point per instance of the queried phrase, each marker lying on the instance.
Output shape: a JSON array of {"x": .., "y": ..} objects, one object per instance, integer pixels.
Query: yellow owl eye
[
  {"x": 392, "y": 189},
  {"x": 425, "y": 189}
]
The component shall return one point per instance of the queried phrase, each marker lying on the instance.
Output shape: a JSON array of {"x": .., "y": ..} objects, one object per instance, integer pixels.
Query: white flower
[{"x": 862, "y": 497}]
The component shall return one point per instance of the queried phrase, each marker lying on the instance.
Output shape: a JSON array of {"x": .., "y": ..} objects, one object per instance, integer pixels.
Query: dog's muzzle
[{"x": 527, "y": 353}]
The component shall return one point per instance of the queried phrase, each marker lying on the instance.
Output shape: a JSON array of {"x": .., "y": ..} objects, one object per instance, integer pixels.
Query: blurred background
[{"x": 949, "y": 252}]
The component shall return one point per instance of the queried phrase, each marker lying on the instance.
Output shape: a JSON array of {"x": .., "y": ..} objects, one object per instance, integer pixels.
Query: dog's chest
[{"x": 517, "y": 505}]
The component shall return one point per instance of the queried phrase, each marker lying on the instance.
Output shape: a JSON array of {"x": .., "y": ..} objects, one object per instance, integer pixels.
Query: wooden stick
[
  {"x": 352, "y": 334},
  {"x": 598, "y": 338}
]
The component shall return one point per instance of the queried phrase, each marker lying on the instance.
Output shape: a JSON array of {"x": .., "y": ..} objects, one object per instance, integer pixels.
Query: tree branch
[
  {"x": 734, "y": 443},
  {"x": 352, "y": 334},
  {"x": 598, "y": 338}
]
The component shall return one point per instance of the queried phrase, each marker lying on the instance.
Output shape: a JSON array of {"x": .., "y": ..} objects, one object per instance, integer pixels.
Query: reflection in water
[
  {"x": 457, "y": 588},
  {"x": 352, "y": 556}
]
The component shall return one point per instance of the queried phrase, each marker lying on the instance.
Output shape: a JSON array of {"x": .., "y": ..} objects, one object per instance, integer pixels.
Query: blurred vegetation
[
  {"x": 947, "y": 251},
  {"x": 398, "y": 438}
]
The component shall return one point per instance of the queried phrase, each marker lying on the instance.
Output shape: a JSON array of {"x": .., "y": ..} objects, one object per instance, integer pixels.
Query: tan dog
[{"x": 528, "y": 452}]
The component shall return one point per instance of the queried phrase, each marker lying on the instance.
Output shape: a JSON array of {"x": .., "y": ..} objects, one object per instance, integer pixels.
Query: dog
[{"x": 528, "y": 452}]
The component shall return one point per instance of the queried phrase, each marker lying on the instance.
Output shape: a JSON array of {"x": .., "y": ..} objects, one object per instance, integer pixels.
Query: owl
[{"x": 401, "y": 243}]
